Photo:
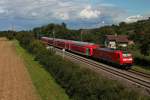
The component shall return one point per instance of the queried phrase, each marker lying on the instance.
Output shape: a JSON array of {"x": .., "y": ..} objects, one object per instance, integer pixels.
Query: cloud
[
  {"x": 134, "y": 18},
  {"x": 89, "y": 13},
  {"x": 62, "y": 15},
  {"x": 75, "y": 11},
  {"x": 2, "y": 11},
  {"x": 58, "y": 9}
]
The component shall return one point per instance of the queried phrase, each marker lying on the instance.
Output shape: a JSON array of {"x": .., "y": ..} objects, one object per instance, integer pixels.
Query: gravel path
[{"x": 15, "y": 82}]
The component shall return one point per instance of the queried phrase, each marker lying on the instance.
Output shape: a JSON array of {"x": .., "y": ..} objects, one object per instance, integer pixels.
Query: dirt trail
[{"x": 15, "y": 82}]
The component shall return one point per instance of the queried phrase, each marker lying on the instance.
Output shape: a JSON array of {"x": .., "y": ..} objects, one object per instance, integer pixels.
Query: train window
[{"x": 126, "y": 55}]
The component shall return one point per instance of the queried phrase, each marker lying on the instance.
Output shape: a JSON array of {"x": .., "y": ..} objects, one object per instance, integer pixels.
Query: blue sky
[
  {"x": 27, "y": 14},
  {"x": 133, "y": 6}
]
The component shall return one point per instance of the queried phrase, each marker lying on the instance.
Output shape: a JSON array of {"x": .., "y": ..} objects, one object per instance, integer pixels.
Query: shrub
[{"x": 141, "y": 60}]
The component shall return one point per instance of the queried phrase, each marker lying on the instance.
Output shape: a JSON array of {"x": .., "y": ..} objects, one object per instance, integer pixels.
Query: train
[{"x": 121, "y": 58}]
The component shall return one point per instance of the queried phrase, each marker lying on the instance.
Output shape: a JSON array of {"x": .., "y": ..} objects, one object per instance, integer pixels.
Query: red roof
[{"x": 117, "y": 38}]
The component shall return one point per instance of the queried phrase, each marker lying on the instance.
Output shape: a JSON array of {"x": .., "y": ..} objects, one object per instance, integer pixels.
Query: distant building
[
  {"x": 116, "y": 41},
  {"x": 131, "y": 42}
]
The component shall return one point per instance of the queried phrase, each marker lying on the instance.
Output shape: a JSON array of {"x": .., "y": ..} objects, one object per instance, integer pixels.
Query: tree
[
  {"x": 145, "y": 44},
  {"x": 64, "y": 25}
]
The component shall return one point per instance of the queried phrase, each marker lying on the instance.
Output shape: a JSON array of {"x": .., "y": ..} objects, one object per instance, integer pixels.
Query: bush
[{"x": 141, "y": 60}]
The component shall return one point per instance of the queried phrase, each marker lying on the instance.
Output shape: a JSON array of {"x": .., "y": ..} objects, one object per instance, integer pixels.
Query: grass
[
  {"x": 141, "y": 69},
  {"x": 45, "y": 84},
  {"x": 141, "y": 65}
]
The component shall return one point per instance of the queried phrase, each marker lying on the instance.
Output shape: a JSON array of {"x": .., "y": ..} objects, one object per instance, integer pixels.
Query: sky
[{"x": 77, "y": 14}]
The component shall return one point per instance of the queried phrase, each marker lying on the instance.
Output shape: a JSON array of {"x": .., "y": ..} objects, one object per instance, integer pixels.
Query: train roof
[
  {"x": 83, "y": 43},
  {"x": 60, "y": 40},
  {"x": 54, "y": 38},
  {"x": 76, "y": 42},
  {"x": 46, "y": 38}
]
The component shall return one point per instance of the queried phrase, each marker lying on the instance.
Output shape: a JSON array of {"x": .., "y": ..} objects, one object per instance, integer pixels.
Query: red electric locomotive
[{"x": 119, "y": 57}]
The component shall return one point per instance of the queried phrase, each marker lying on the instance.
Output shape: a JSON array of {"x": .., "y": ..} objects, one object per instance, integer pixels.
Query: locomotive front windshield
[{"x": 126, "y": 54}]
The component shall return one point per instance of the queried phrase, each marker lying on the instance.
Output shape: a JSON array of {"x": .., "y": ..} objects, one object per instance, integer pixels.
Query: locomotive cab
[{"x": 126, "y": 58}]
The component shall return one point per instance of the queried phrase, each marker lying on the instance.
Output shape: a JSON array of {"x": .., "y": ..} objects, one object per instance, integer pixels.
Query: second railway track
[{"x": 140, "y": 73}]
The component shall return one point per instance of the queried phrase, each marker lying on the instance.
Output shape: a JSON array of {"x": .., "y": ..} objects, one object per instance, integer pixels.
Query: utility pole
[
  {"x": 81, "y": 35},
  {"x": 39, "y": 34},
  {"x": 63, "y": 51},
  {"x": 53, "y": 37},
  {"x": 13, "y": 30},
  {"x": 13, "y": 27}
]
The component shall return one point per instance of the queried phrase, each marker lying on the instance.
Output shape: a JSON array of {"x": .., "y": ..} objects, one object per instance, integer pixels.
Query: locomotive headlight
[
  {"x": 124, "y": 59},
  {"x": 127, "y": 59},
  {"x": 130, "y": 59}
]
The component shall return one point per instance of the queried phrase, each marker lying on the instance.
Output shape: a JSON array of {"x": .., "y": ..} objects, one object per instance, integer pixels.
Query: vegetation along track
[{"x": 129, "y": 76}]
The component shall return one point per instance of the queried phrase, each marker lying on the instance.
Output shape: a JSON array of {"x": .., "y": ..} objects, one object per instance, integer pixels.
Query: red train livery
[
  {"x": 114, "y": 56},
  {"x": 118, "y": 57},
  {"x": 83, "y": 48}
]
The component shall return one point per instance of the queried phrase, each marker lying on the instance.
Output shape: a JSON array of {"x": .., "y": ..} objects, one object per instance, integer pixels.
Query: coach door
[{"x": 87, "y": 51}]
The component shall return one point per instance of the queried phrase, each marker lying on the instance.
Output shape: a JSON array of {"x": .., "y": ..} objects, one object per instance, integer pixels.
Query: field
[
  {"x": 46, "y": 86},
  {"x": 15, "y": 82}
]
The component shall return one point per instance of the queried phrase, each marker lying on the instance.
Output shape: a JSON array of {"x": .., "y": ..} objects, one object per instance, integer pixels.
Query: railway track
[
  {"x": 140, "y": 73},
  {"x": 137, "y": 78}
]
